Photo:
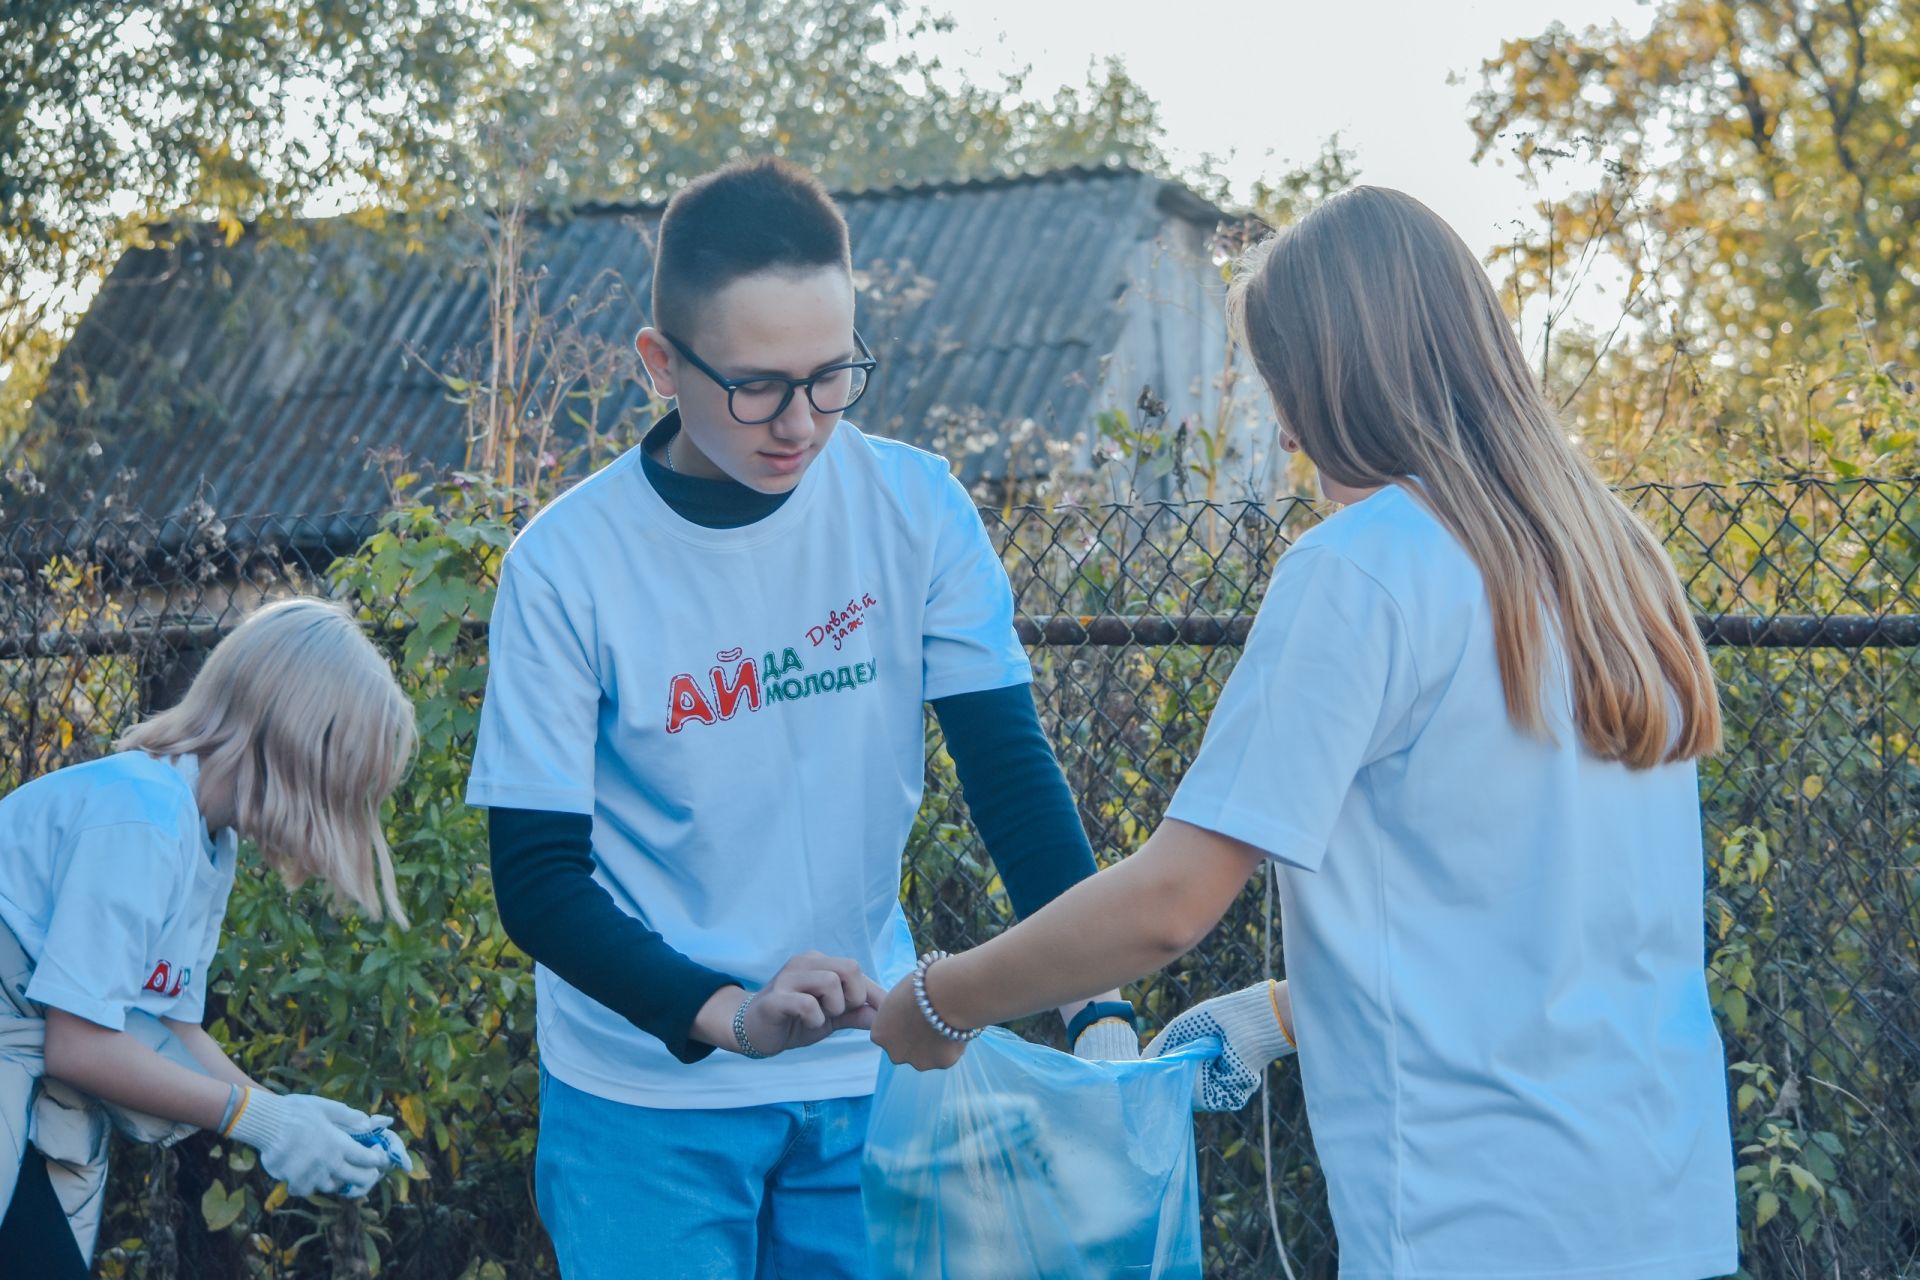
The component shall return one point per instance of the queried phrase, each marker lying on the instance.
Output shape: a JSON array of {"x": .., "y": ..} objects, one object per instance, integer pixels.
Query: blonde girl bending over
[{"x": 114, "y": 877}]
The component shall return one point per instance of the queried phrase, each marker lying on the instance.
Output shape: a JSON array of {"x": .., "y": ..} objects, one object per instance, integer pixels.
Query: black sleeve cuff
[{"x": 1096, "y": 1011}]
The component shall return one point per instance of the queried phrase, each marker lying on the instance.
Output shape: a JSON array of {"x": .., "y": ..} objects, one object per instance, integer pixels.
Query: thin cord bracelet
[
  {"x": 1273, "y": 998},
  {"x": 246, "y": 1096}
]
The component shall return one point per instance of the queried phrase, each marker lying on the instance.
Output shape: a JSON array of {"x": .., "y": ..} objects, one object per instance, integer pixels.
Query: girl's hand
[
  {"x": 338, "y": 1114},
  {"x": 909, "y": 1039},
  {"x": 301, "y": 1147},
  {"x": 369, "y": 1131},
  {"x": 1253, "y": 1028}
]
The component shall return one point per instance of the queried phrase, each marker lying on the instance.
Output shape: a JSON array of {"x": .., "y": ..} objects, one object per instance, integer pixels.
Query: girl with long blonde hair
[
  {"x": 1463, "y": 732},
  {"x": 114, "y": 878}
]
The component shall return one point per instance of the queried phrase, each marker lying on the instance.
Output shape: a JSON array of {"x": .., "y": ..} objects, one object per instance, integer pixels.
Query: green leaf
[
  {"x": 1805, "y": 1180},
  {"x": 1843, "y": 1207},
  {"x": 1766, "y": 1208},
  {"x": 222, "y": 1208}
]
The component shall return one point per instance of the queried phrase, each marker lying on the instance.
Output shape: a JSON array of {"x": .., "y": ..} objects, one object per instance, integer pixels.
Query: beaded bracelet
[
  {"x": 934, "y": 1020},
  {"x": 740, "y": 1030}
]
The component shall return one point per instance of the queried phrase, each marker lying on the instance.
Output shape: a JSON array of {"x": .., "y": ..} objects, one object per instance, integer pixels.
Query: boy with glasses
[{"x": 702, "y": 748}]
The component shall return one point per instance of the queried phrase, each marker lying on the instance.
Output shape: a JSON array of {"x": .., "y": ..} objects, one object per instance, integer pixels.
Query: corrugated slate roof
[{"x": 264, "y": 375}]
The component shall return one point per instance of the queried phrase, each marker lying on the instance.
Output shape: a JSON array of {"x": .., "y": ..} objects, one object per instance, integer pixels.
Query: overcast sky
[{"x": 1265, "y": 81}]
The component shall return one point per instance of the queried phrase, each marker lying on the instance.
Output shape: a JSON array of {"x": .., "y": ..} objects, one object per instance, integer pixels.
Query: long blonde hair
[
  {"x": 299, "y": 714},
  {"x": 1388, "y": 357}
]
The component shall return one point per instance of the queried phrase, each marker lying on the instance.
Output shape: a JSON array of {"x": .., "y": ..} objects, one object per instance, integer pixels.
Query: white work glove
[
  {"x": 369, "y": 1131},
  {"x": 1251, "y": 1035},
  {"x": 337, "y": 1114},
  {"x": 301, "y": 1147},
  {"x": 1109, "y": 1038}
]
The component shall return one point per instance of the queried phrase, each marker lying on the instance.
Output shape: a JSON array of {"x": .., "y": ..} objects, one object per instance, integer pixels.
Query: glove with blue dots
[{"x": 1251, "y": 1034}]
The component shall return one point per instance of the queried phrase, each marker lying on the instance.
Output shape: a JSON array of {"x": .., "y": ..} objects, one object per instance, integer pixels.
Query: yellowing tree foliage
[{"x": 1761, "y": 197}]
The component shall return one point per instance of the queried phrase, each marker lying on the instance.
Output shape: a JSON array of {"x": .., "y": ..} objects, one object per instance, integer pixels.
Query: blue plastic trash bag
[{"x": 1024, "y": 1161}]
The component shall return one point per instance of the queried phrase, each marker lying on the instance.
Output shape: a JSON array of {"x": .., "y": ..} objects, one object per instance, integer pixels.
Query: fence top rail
[
  {"x": 1794, "y": 562},
  {"x": 347, "y": 527},
  {"x": 1146, "y": 630}
]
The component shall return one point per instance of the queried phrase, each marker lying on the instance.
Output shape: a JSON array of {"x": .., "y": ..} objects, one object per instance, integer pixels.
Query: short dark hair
[{"x": 749, "y": 216}]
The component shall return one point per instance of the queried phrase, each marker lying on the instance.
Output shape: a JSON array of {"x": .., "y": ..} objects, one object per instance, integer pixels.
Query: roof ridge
[
  {"x": 1177, "y": 197},
  {"x": 920, "y": 186}
]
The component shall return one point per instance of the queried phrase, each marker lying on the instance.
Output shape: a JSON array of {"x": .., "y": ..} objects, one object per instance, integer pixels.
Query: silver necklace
[{"x": 670, "y": 451}]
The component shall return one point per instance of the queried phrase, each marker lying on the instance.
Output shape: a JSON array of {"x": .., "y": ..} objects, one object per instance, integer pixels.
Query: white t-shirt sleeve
[
  {"x": 1322, "y": 690},
  {"x": 968, "y": 643},
  {"x": 540, "y": 716},
  {"x": 110, "y": 910}
]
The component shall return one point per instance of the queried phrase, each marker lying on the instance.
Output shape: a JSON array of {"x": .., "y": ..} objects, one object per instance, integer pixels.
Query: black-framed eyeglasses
[{"x": 764, "y": 397}]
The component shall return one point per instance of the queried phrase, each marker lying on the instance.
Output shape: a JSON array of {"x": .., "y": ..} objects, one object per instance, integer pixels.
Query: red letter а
[{"x": 687, "y": 703}]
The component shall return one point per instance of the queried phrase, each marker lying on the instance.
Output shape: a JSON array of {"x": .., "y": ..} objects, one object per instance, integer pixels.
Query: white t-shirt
[
  {"x": 114, "y": 888},
  {"x": 1496, "y": 943},
  {"x": 740, "y": 712}
]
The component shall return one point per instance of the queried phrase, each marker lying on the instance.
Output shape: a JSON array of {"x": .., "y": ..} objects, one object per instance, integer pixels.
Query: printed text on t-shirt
[
  {"x": 842, "y": 622},
  {"x": 754, "y": 685},
  {"x": 163, "y": 981}
]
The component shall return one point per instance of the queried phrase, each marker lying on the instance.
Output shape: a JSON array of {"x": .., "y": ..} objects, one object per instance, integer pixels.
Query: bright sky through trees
[{"x": 1261, "y": 83}]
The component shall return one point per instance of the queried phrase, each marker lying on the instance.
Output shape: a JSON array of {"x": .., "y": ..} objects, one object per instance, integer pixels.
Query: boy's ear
[{"x": 657, "y": 357}]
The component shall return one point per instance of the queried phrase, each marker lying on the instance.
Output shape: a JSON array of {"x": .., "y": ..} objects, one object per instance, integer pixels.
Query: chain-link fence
[{"x": 1804, "y": 589}]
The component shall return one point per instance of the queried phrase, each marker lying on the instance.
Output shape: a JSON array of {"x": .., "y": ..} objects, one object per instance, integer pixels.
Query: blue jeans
[{"x": 766, "y": 1191}]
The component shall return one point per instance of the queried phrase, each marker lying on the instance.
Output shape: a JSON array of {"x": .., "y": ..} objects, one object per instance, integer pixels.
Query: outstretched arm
[{"x": 1126, "y": 922}]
